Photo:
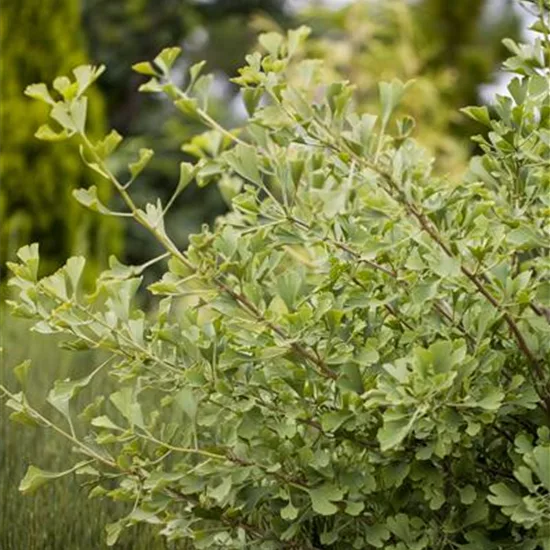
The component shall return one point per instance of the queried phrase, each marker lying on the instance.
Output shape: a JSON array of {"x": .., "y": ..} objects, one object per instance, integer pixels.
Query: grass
[{"x": 59, "y": 516}]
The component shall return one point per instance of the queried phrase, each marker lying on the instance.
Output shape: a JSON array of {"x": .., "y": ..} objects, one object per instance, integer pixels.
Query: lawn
[{"x": 59, "y": 516}]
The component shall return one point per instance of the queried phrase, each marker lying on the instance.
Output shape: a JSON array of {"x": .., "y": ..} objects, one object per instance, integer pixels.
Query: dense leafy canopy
[{"x": 356, "y": 356}]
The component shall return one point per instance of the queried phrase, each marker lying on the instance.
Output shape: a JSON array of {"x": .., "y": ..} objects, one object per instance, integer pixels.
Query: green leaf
[
  {"x": 56, "y": 284},
  {"x": 39, "y": 92},
  {"x": 21, "y": 371},
  {"x": 525, "y": 476},
  {"x": 440, "y": 356},
  {"x": 230, "y": 187},
  {"x": 86, "y": 75},
  {"x": 338, "y": 97},
  {"x": 74, "y": 269},
  {"x": 220, "y": 492},
  {"x": 29, "y": 256},
  {"x": 397, "y": 426},
  {"x": 289, "y": 512},
  {"x": 512, "y": 46},
  {"x": 296, "y": 37},
  {"x": 144, "y": 67},
  {"x": 503, "y": 495},
  {"x": 251, "y": 99},
  {"x": 188, "y": 106},
  {"x": 323, "y": 498},
  {"x": 36, "y": 478},
  {"x": 479, "y": 114},
  {"x": 367, "y": 356},
  {"x": 153, "y": 215},
  {"x": 445, "y": 266},
  {"x": 166, "y": 58},
  {"x": 151, "y": 86},
  {"x": 188, "y": 172},
  {"x": 329, "y": 537},
  {"x": 113, "y": 532},
  {"x": 188, "y": 403},
  {"x": 468, "y": 495},
  {"x": 399, "y": 370},
  {"x": 61, "y": 113},
  {"x": 93, "y": 165},
  {"x": 66, "y": 88},
  {"x": 45, "y": 133},
  {"x": 145, "y": 155},
  {"x": 538, "y": 87},
  {"x": 108, "y": 145},
  {"x": 273, "y": 351},
  {"x": 63, "y": 391},
  {"x": 405, "y": 126},
  {"x": 518, "y": 90},
  {"x": 415, "y": 261},
  {"x": 22, "y": 414},
  {"x": 244, "y": 160},
  {"x": 272, "y": 42},
  {"x": 159, "y": 480},
  {"x": 289, "y": 286},
  {"x": 542, "y": 464},
  {"x": 194, "y": 72},
  {"x": 97, "y": 492},
  {"x": 117, "y": 270},
  {"x": 525, "y": 238},
  {"x": 491, "y": 400},
  {"x": 390, "y": 96},
  {"x": 350, "y": 378},
  {"x": 105, "y": 422},
  {"x": 424, "y": 291},
  {"x": 477, "y": 513},
  {"x": 377, "y": 535},
  {"x": 354, "y": 508},
  {"x": 89, "y": 199},
  {"x": 126, "y": 403},
  {"x": 331, "y": 421},
  {"x": 400, "y": 526},
  {"x": 25, "y": 417}
]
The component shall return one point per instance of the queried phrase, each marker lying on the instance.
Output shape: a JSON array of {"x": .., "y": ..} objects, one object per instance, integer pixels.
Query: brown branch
[
  {"x": 391, "y": 273},
  {"x": 539, "y": 376},
  {"x": 322, "y": 367}
]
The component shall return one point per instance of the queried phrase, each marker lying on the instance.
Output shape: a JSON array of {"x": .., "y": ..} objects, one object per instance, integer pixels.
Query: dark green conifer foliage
[{"x": 39, "y": 40}]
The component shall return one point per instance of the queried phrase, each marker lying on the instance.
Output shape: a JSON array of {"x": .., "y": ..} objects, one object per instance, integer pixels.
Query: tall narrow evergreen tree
[{"x": 39, "y": 40}]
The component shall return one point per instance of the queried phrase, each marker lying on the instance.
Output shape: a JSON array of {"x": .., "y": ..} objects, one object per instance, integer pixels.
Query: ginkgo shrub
[{"x": 355, "y": 356}]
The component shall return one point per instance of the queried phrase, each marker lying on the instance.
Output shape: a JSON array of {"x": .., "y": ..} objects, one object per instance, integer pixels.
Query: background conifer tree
[{"x": 41, "y": 39}]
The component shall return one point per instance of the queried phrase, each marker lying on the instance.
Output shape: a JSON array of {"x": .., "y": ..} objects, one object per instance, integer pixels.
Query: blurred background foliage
[
  {"x": 39, "y": 40},
  {"x": 451, "y": 48}
]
